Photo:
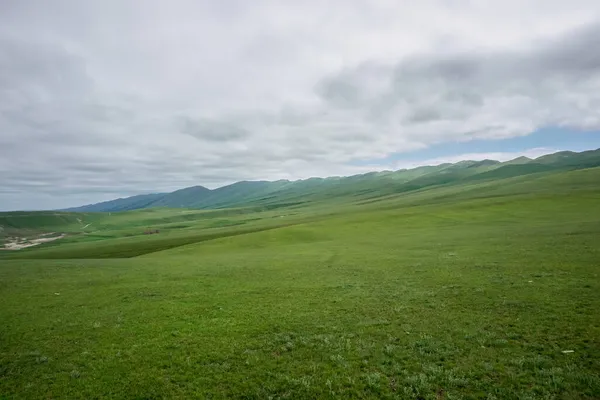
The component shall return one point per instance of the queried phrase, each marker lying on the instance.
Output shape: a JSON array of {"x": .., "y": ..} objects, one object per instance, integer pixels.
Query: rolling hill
[
  {"x": 286, "y": 193},
  {"x": 425, "y": 279}
]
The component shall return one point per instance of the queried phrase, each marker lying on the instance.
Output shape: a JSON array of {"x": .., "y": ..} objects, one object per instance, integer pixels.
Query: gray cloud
[
  {"x": 212, "y": 130},
  {"x": 424, "y": 114},
  {"x": 104, "y": 99},
  {"x": 480, "y": 94},
  {"x": 577, "y": 54}
]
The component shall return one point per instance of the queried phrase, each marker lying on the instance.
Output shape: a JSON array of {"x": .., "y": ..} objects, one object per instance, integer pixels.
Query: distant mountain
[
  {"x": 561, "y": 156},
  {"x": 281, "y": 193},
  {"x": 518, "y": 160},
  {"x": 484, "y": 163},
  {"x": 182, "y": 198},
  {"x": 585, "y": 159},
  {"x": 126, "y": 204},
  {"x": 510, "y": 170}
]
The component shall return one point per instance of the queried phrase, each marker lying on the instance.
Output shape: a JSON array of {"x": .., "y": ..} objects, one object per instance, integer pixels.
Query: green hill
[
  {"x": 124, "y": 204},
  {"x": 585, "y": 159},
  {"x": 181, "y": 198},
  {"x": 507, "y": 171},
  {"x": 484, "y": 163},
  {"x": 518, "y": 160},
  {"x": 458, "y": 282},
  {"x": 284, "y": 193},
  {"x": 34, "y": 223}
]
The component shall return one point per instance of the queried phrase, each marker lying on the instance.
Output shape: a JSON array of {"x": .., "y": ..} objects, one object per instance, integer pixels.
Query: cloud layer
[{"x": 102, "y": 99}]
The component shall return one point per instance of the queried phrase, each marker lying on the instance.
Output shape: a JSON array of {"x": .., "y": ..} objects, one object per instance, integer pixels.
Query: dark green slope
[
  {"x": 518, "y": 160},
  {"x": 37, "y": 219},
  {"x": 365, "y": 186},
  {"x": 484, "y": 163},
  {"x": 508, "y": 171},
  {"x": 560, "y": 157},
  {"x": 181, "y": 198},
  {"x": 124, "y": 204},
  {"x": 33, "y": 223},
  {"x": 405, "y": 175},
  {"x": 237, "y": 193},
  {"x": 585, "y": 159},
  {"x": 352, "y": 188}
]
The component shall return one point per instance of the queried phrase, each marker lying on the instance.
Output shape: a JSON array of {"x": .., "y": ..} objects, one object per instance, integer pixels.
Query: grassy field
[{"x": 489, "y": 290}]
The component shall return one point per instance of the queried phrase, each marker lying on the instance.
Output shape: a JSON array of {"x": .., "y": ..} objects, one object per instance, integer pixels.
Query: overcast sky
[{"x": 103, "y": 99}]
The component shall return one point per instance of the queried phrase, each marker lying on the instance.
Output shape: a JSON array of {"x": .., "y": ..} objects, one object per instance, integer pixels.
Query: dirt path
[{"x": 17, "y": 243}]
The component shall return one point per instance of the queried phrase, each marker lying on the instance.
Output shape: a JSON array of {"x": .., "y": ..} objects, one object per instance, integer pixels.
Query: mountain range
[{"x": 282, "y": 193}]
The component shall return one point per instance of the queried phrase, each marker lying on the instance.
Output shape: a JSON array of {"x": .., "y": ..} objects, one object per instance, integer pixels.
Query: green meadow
[{"x": 484, "y": 289}]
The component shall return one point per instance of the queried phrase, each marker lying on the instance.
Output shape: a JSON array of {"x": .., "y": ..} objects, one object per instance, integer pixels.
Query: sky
[{"x": 106, "y": 99}]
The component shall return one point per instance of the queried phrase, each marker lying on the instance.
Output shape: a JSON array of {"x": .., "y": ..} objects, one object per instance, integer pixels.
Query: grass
[{"x": 453, "y": 293}]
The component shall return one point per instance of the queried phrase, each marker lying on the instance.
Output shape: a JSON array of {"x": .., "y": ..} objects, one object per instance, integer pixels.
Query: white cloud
[{"x": 118, "y": 97}]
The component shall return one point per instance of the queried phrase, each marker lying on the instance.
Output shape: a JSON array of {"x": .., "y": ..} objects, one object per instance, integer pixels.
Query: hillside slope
[
  {"x": 374, "y": 184},
  {"x": 125, "y": 204},
  {"x": 451, "y": 291}
]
